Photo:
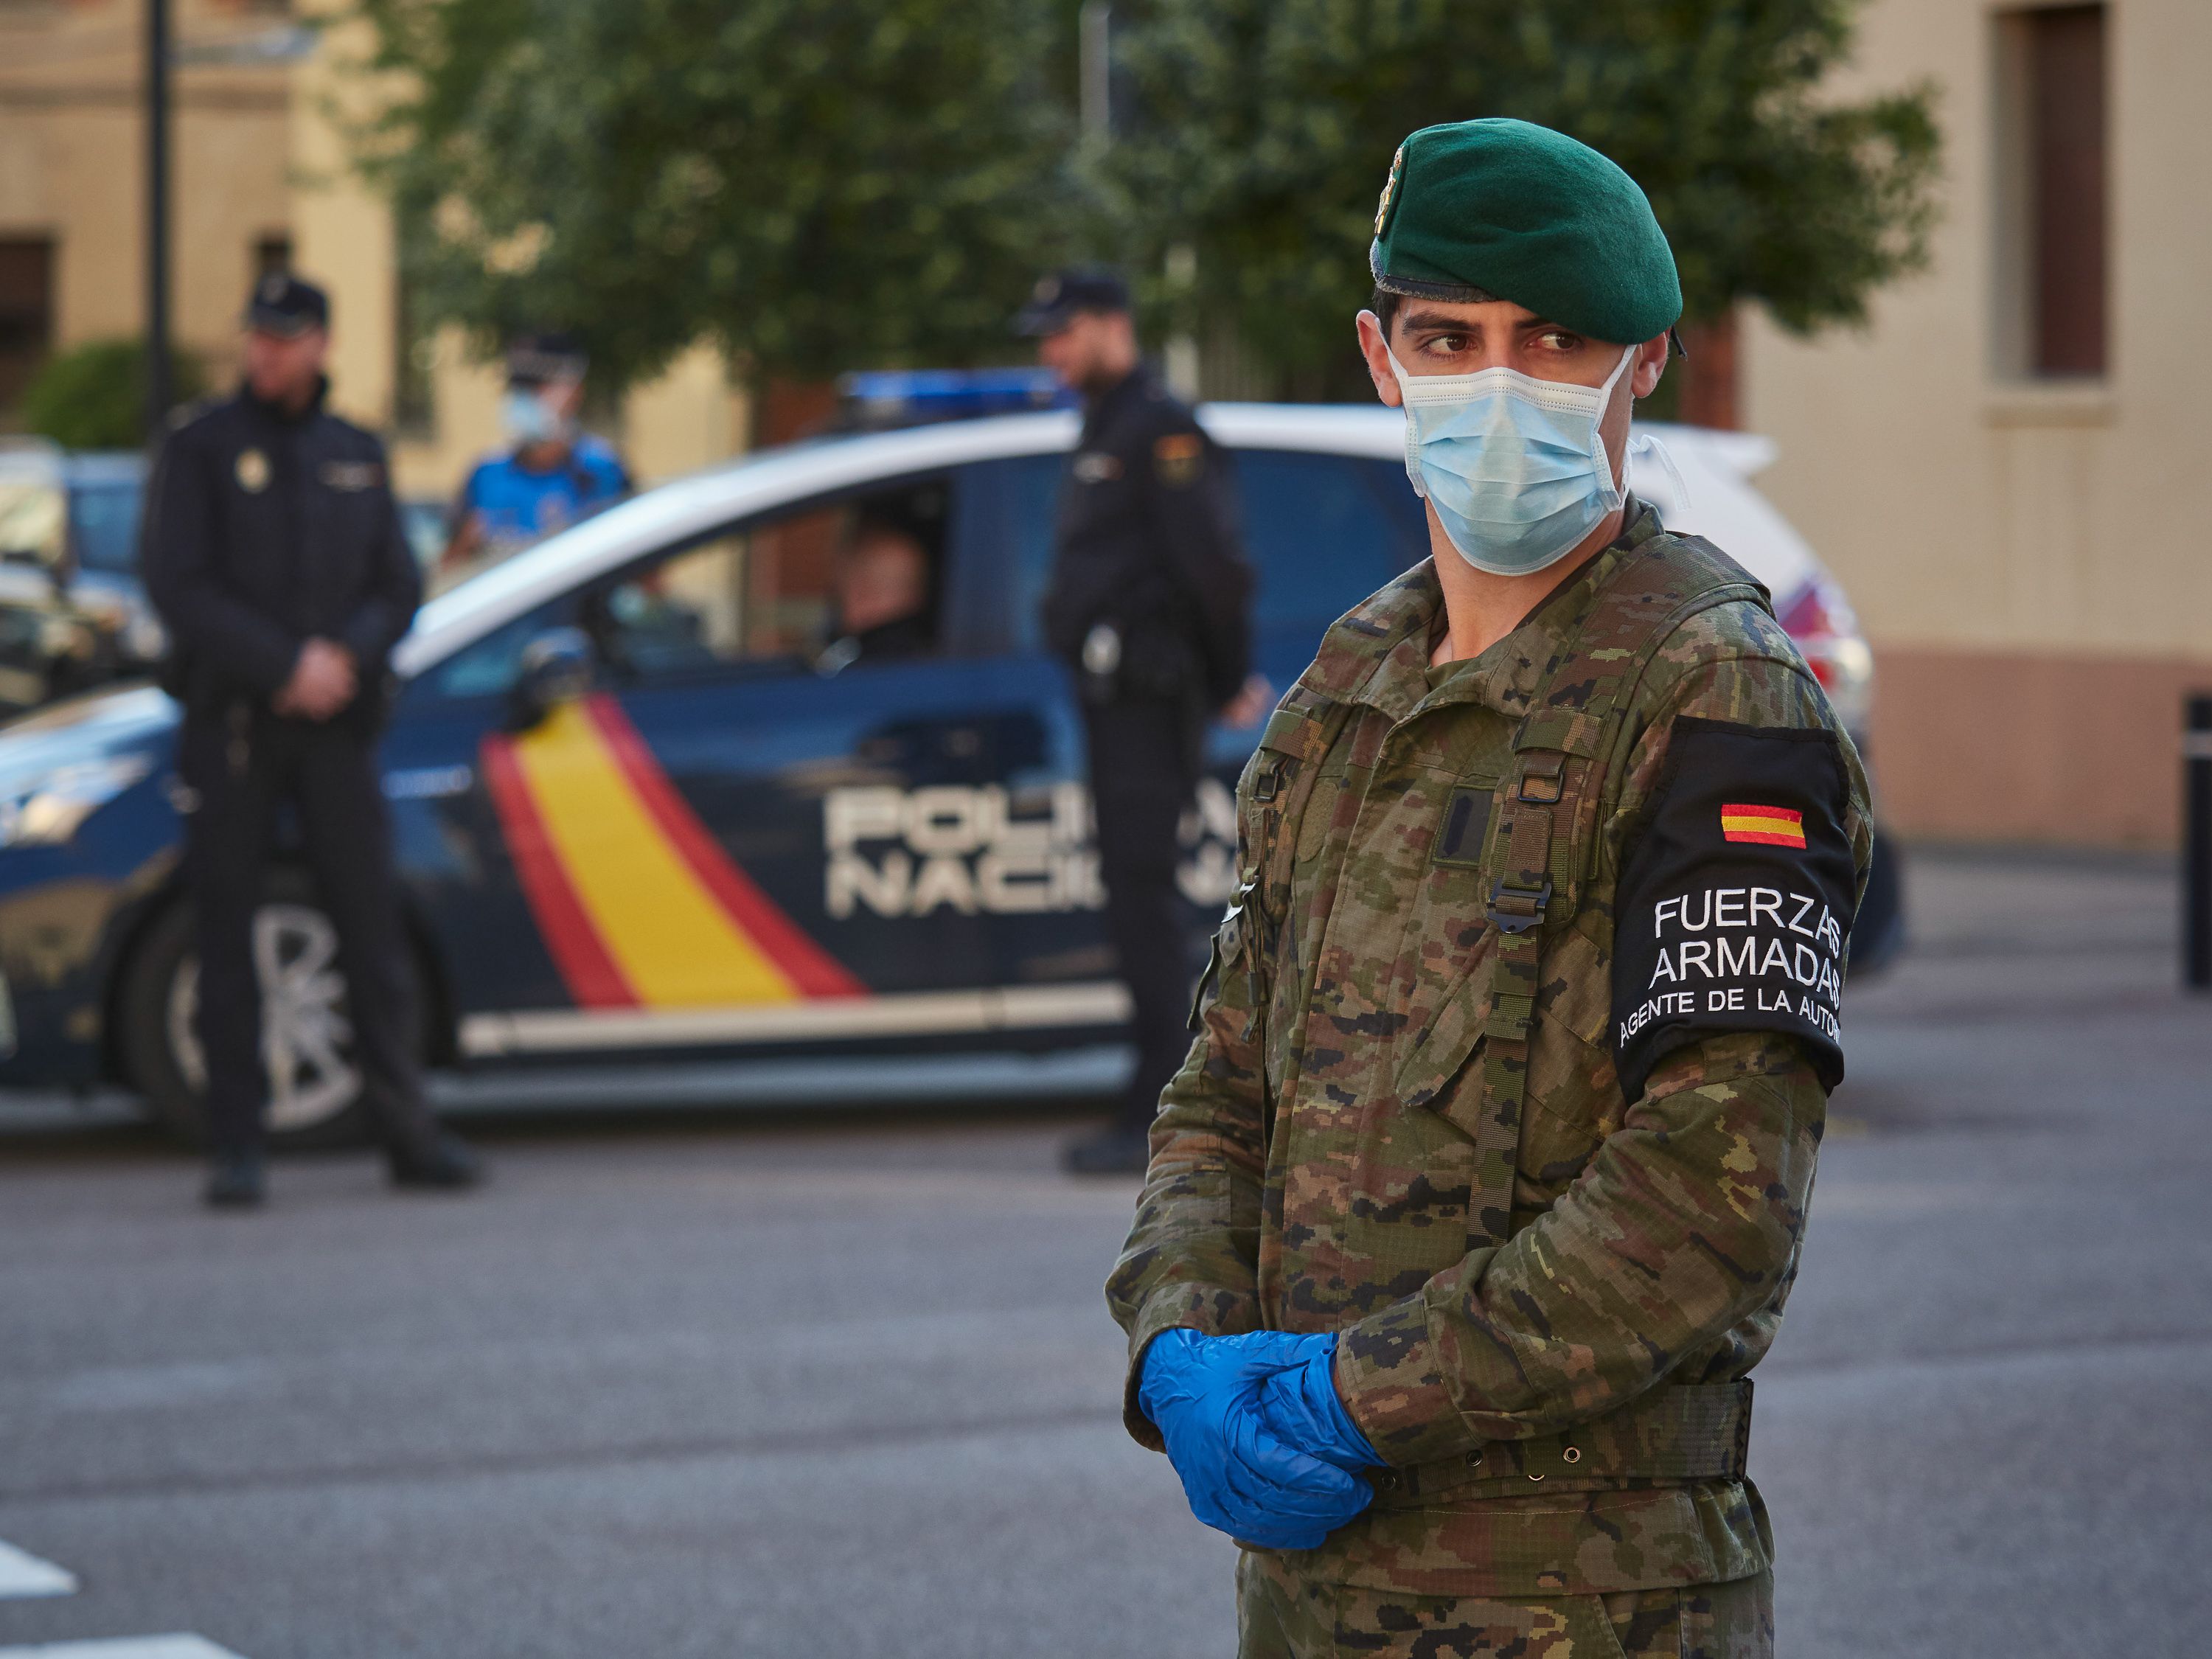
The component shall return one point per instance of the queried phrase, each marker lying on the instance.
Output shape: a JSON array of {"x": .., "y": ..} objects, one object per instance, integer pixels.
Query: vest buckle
[
  {"x": 1516, "y": 910},
  {"x": 1543, "y": 780}
]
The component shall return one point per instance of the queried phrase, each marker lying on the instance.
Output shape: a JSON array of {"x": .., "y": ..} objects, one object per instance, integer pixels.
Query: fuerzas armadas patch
[{"x": 1735, "y": 907}]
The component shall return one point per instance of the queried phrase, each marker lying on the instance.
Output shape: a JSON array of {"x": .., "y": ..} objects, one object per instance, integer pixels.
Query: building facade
[
  {"x": 2004, "y": 467},
  {"x": 72, "y": 202},
  {"x": 259, "y": 182}
]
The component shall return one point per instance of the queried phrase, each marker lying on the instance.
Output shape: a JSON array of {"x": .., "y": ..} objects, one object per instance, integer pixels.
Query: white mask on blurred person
[{"x": 529, "y": 418}]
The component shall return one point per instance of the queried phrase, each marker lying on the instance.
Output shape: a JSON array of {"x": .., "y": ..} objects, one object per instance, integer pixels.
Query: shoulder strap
[
  {"x": 1284, "y": 769},
  {"x": 1551, "y": 809}
]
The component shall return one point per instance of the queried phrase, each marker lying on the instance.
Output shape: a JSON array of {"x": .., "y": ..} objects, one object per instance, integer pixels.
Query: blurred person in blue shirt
[{"x": 552, "y": 474}]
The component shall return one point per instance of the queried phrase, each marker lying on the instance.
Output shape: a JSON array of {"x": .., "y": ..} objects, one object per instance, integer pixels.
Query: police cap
[
  {"x": 1057, "y": 300},
  {"x": 1500, "y": 209},
  {"x": 283, "y": 304}
]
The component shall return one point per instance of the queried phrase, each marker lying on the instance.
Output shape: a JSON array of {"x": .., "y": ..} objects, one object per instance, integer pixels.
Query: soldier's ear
[{"x": 1374, "y": 347}]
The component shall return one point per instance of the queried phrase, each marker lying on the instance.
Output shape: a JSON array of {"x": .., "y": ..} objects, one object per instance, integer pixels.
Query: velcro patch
[
  {"x": 352, "y": 475},
  {"x": 1735, "y": 901},
  {"x": 1466, "y": 816}
]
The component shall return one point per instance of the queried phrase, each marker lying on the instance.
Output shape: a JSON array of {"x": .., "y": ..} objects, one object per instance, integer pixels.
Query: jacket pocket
[{"x": 1429, "y": 1076}]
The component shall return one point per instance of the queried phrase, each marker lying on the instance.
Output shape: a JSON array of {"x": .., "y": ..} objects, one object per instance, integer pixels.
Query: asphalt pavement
[{"x": 701, "y": 1380}]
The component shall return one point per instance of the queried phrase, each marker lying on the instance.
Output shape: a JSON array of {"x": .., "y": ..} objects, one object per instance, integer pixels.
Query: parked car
[
  {"x": 72, "y": 614},
  {"x": 639, "y": 811}
]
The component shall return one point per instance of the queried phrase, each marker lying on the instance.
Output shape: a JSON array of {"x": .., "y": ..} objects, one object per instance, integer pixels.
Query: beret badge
[{"x": 1389, "y": 189}]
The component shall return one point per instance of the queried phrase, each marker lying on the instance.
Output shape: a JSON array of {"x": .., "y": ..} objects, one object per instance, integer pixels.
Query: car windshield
[{"x": 32, "y": 520}]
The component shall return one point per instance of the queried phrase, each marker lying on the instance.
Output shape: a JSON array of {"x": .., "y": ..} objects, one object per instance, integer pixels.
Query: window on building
[
  {"x": 272, "y": 254},
  {"x": 27, "y": 312},
  {"x": 2054, "y": 148}
]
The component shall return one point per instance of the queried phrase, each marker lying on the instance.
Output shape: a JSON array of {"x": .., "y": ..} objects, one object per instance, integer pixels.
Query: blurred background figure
[
  {"x": 886, "y": 585},
  {"x": 553, "y": 472},
  {"x": 273, "y": 552},
  {"x": 1150, "y": 606}
]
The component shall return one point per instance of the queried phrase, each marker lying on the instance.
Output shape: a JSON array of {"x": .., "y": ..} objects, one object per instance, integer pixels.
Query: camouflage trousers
[{"x": 1280, "y": 1615}]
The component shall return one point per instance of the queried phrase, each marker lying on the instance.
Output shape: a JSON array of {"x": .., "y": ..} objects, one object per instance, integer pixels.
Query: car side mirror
[{"x": 558, "y": 667}]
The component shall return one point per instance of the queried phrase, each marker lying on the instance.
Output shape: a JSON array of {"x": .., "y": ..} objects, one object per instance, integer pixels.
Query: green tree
[
  {"x": 814, "y": 184},
  {"x": 1265, "y": 127},
  {"x": 94, "y": 396}
]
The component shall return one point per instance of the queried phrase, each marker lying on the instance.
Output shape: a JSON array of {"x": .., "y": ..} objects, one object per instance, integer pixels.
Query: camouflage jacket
[{"x": 1467, "y": 1089}]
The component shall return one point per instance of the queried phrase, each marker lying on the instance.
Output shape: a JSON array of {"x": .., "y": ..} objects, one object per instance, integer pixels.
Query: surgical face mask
[
  {"x": 529, "y": 419},
  {"x": 1513, "y": 466}
]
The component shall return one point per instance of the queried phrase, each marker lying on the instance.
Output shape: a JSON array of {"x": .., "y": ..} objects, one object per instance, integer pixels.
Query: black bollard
[{"x": 2197, "y": 844}]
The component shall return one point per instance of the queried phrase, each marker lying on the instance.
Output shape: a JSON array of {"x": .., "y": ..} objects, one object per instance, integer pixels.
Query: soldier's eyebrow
[
  {"x": 1445, "y": 322},
  {"x": 1441, "y": 322}
]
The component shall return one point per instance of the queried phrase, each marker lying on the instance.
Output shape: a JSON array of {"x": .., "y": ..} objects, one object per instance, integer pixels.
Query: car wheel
[{"x": 315, "y": 1092}]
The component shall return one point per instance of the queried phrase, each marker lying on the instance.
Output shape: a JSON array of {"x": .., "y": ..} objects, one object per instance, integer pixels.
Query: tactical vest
[{"x": 1539, "y": 863}]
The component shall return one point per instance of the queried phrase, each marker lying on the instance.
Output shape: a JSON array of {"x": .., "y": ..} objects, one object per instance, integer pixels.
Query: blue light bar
[{"x": 895, "y": 397}]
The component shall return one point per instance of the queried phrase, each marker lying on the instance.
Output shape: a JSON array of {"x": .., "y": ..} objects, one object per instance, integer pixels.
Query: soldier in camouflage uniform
[{"x": 1499, "y": 1128}]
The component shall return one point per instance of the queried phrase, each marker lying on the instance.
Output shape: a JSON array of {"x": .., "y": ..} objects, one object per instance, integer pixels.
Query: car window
[
  {"x": 836, "y": 586},
  {"x": 490, "y": 667},
  {"x": 1024, "y": 506},
  {"x": 423, "y": 524},
  {"x": 1323, "y": 531},
  {"x": 103, "y": 524}
]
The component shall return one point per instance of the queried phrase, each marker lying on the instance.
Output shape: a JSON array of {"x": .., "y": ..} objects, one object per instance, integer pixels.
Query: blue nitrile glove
[
  {"x": 1303, "y": 1407},
  {"x": 1202, "y": 1392}
]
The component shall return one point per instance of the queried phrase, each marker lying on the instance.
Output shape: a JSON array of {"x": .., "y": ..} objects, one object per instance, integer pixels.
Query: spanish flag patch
[{"x": 1771, "y": 826}]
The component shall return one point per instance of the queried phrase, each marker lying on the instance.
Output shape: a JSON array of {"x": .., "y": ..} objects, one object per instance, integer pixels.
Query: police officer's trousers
[
  {"x": 1282, "y": 1614},
  {"x": 242, "y": 771},
  {"x": 1141, "y": 780}
]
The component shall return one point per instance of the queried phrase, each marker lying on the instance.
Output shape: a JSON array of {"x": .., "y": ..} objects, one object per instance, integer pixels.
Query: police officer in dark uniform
[
  {"x": 274, "y": 553},
  {"x": 1148, "y": 606}
]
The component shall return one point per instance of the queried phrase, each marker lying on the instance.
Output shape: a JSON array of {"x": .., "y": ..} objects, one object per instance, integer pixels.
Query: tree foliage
[
  {"x": 815, "y": 185},
  {"x": 94, "y": 396},
  {"x": 1264, "y": 128},
  {"x": 824, "y": 185}
]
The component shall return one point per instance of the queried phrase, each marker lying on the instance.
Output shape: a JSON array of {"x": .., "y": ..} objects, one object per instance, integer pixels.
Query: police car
[{"x": 640, "y": 813}]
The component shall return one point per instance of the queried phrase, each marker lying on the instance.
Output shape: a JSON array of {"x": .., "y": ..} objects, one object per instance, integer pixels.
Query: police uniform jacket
[
  {"x": 265, "y": 529},
  {"x": 1148, "y": 544}
]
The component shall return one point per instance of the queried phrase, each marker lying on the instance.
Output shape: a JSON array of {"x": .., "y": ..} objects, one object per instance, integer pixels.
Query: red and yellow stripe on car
[{"x": 636, "y": 902}]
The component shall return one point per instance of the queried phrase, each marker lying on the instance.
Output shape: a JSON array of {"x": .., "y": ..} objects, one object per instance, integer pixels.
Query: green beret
[{"x": 1506, "y": 210}]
